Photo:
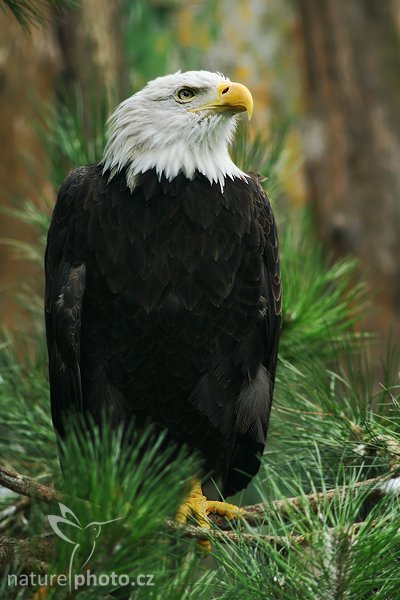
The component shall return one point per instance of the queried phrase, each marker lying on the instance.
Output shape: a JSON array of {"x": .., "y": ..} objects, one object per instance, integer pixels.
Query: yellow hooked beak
[{"x": 231, "y": 97}]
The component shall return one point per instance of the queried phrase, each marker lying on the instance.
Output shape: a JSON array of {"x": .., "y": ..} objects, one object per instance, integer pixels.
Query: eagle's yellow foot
[{"x": 200, "y": 508}]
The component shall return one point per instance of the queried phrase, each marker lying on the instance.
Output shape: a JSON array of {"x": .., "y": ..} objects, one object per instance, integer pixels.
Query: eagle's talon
[
  {"x": 223, "y": 509},
  {"x": 200, "y": 508}
]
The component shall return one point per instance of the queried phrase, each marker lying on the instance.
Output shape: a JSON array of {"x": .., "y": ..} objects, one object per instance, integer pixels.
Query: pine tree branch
[
  {"x": 20, "y": 484},
  {"x": 30, "y": 13},
  {"x": 33, "y": 552},
  {"x": 9, "y": 513},
  {"x": 252, "y": 514},
  {"x": 30, "y": 552},
  {"x": 199, "y": 533}
]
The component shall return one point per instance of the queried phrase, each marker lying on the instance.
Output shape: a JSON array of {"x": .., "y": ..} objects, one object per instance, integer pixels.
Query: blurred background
[{"x": 325, "y": 75}]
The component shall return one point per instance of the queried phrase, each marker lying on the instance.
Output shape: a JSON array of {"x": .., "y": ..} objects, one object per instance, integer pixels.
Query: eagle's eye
[{"x": 185, "y": 94}]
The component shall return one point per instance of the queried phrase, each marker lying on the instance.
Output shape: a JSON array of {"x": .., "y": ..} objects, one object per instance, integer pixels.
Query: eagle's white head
[{"x": 178, "y": 124}]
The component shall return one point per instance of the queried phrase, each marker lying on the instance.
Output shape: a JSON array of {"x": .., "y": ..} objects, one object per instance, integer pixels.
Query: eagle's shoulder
[
  {"x": 77, "y": 184},
  {"x": 77, "y": 175},
  {"x": 77, "y": 195},
  {"x": 255, "y": 181}
]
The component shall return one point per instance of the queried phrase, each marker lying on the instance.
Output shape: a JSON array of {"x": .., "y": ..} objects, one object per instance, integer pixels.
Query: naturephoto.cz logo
[{"x": 78, "y": 579}]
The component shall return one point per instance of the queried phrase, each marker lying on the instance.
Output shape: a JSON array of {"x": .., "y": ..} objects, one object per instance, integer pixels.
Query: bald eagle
[{"x": 163, "y": 289}]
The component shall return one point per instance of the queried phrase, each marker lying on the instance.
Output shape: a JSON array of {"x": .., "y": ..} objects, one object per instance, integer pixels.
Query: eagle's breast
[{"x": 172, "y": 244}]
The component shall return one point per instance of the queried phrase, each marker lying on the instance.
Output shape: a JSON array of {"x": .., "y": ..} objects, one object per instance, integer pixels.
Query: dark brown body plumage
[{"x": 164, "y": 304}]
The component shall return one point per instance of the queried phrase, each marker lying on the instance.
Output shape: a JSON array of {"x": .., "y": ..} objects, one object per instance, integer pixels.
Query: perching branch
[
  {"x": 252, "y": 514},
  {"x": 33, "y": 552}
]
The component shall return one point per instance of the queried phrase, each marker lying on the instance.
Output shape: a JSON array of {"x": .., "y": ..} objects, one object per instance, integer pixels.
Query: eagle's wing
[
  {"x": 272, "y": 284},
  {"x": 256, "y": 398},
  {"x": 65, "y": 272}
]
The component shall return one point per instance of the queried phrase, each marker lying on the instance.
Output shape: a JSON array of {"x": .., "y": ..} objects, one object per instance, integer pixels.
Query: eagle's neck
[
  {"x": 215, "y": 164},
  {"x": 202, "y": 150}
]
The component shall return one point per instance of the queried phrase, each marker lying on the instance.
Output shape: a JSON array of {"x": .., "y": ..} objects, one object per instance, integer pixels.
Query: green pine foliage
[
  {"x": 331, "y": 426},
  {"x": 317, "y": 553},
  {"x": 32, "y": 12}
]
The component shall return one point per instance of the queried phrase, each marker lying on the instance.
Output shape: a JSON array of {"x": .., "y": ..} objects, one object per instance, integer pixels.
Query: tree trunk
[
  {"x": 28, "y": 67},
  {"x": 79, "y": 46},
  {"x": 351, "y": 72}
]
